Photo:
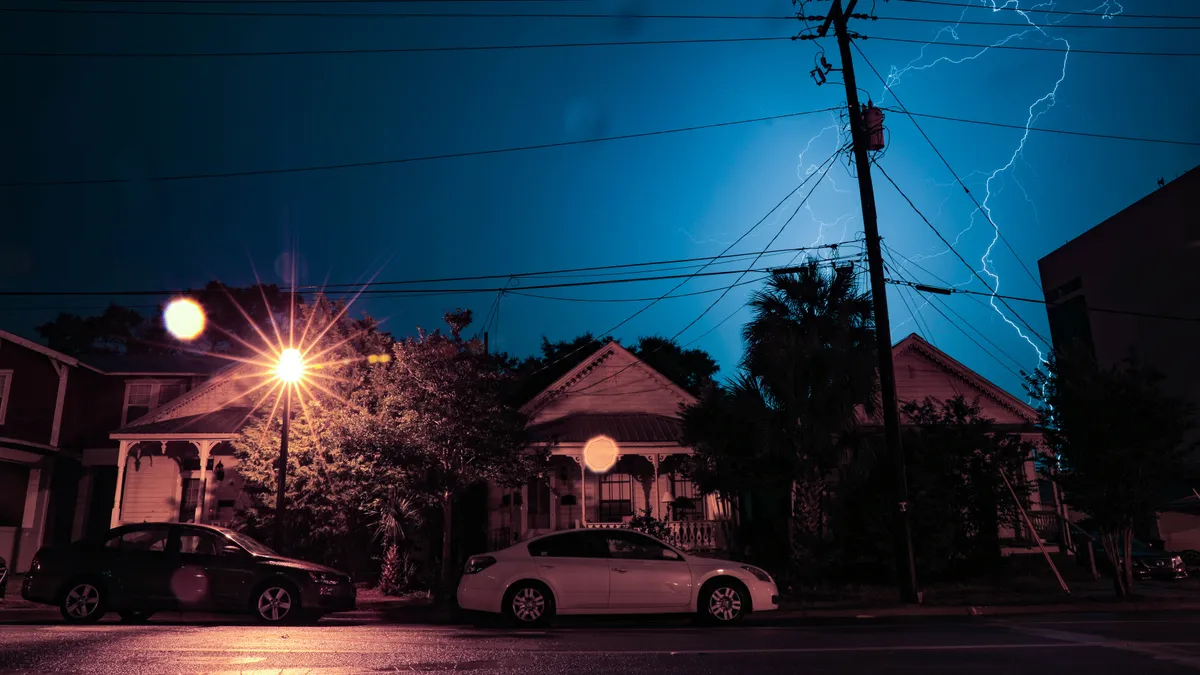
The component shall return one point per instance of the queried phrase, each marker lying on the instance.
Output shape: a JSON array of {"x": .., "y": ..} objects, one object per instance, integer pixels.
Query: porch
[
  {"x": 188, "y": 480},
  {"x": 573, "y": 496}
]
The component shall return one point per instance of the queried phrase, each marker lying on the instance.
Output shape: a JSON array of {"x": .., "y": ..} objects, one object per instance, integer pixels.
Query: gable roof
[
  {"x": 976, "y": 381},
  {"x": 563, "y": 385},
  {"x": 42, "y": 349},
  {"x": 208, "y": 409},
  {"x": 155, "y": 364},
  {"x": 621, "y": 427}
]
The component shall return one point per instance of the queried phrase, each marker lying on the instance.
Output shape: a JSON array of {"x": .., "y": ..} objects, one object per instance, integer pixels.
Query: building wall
[
  {"x": 91, "y": 410},
  {"x": 1102, "y": 267},
  {"x": 31, "y": 396},
  {"x": 152, "y": 489}
]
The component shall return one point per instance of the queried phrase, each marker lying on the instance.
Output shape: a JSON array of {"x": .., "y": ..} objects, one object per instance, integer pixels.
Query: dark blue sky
[{"x": 671, "y": 196}]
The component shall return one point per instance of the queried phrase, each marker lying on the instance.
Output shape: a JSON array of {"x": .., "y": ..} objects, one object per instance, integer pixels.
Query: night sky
[{"x": 672, "y": 196}]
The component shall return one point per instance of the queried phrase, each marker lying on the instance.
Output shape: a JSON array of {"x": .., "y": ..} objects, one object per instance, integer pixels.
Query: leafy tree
[
  {"x": 438, "y": 419},
  {"x": 958, "y": 500},
  {"x": 691, "y": 369},
  {"x": 231, "y": 316},
  {"x": 811, "y": 349},
  {"x": 1119, "y": 439},
  {"x": 334, "y": 489}
]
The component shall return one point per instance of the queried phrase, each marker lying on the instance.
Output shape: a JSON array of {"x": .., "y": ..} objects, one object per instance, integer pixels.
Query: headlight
[
  {"x": 324, "y": 578},
  {"x": 758, "y": 574},
  {"x": 478, "y": 563}
]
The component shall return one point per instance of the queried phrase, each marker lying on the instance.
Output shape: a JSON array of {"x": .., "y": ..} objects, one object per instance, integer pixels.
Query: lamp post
[{"x": 290, "y": 370}]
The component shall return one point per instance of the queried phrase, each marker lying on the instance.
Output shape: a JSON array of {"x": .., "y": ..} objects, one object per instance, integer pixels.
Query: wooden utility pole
[{"x": 883, "y": 332}]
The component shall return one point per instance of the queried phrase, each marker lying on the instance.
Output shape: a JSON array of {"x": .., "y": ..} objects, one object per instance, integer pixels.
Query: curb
[{"x": 985, "y": 610}]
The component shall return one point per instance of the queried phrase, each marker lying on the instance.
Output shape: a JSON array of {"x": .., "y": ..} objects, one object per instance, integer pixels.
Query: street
[{"x": 1098, "y": 644}]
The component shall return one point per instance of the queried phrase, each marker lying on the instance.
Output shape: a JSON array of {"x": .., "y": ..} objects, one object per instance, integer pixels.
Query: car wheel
[
  {"x": 84, "y": 602},
  {"x": 529, "y": 604},
  {"x": 724, "y": 601},
  {"x": 277, "y": 602},
  {"x": 135, "y": 616}
]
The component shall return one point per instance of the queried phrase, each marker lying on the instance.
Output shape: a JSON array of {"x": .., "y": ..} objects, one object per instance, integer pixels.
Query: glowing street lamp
[
  {"x": 289, "y": 369},
  {"x": 184, "y": 319}
]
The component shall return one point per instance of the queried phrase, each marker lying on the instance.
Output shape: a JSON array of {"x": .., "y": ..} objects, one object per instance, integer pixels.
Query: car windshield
[{"x": 248, "y": 543}]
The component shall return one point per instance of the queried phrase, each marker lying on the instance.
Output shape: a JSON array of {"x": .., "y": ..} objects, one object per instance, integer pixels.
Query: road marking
[{"x": 1162, "y": 651}]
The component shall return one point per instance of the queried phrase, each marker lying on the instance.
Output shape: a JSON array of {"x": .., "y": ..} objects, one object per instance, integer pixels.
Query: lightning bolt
[{"x": 1042, "y": 105}]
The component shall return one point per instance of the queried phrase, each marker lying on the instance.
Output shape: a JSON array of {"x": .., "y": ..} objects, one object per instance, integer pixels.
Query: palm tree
[{"x": 811, "y": 349}]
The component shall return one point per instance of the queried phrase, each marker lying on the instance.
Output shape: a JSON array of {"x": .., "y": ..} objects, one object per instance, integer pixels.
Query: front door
[
  {"x": 645, "y": 575},
  {"x": 208, "y": 575},
  {"x": 575, "y": 565},
  {"x": 140, "y": 567}
]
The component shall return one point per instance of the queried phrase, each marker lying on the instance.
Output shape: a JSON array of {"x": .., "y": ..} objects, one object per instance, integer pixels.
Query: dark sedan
[{"x": 137, "y": 570}]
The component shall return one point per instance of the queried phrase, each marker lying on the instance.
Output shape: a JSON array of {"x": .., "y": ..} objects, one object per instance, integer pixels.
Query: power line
[
  {"x": 828, "y": 164},
  {"x": 959, "y": 255},
  {"x": 408, "y": 160},
  {"x": 615, "y": 300},
  {"x": 727, "y": 249},
  {"x": 1106, "y": 52},
  {"x": 1017, "y": 24},
  {"x": 946, "y": 162},
  {"x": 397, "y": 15},
  {"x": 1122, "y": 15},
  {"x": 384, "y": 50},
  {"x": 1003, "y": 125},
  {"x": 913, "y": 314},
  {"x": 1102, "y": 310}
]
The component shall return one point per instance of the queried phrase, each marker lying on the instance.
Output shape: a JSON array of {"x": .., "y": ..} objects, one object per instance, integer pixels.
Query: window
[
  {"x": 143, "y": 397},
  {"x": 191, "y": 499},
  {"x": 199, "y": 542},
  {"x": 538, "y": 508},
  {"x": 570, "y": 545},
  {"x": 689, "y": 503},
  {"x": 148, "y": 539},
  {"x": 5, "y": 383},
  {"x": 616, "y": 497},
  {"x": 631, "y": 546}
]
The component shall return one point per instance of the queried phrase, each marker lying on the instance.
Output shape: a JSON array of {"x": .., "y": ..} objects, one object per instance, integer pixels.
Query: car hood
[
  {"x": 701, "y": 563},
  {"x": 298, "y": 564}
]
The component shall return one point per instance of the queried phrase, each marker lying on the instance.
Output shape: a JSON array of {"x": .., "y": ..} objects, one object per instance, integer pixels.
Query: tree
[
  {"x": 232, "y": 315},
  {"x": 811, "y": 349},
  {"x": 691, "y": 369},
  {"x": 958, "y": 500},
  {"x": 333, "y": 486},
  {"x": 1118, "y": 439},
  {"x": 439, "y": 421}
]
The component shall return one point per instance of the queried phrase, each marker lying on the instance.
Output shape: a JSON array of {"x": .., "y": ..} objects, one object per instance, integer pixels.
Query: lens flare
[
  {"x": 291, "y": 366},
  {"x": 600, "y": 454},
  {"x": 184, "y": 319}
]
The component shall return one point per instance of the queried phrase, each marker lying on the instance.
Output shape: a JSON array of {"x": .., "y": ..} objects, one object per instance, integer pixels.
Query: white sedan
[{"x": 610, "y": 572}]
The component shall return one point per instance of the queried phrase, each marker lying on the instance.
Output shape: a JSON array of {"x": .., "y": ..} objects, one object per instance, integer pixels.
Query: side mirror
[{"x": 230, "y": 549}]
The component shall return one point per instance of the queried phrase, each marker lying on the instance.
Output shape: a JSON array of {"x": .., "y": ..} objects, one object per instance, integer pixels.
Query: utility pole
[{"x": 883, "y": 331}]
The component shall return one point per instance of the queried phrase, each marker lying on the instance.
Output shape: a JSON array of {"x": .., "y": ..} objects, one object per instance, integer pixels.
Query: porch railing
[{"x": 689, "y": 535}]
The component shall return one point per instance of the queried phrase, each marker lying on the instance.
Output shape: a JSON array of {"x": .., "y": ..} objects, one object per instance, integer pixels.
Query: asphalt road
[{"x": 1094, "y": 644}]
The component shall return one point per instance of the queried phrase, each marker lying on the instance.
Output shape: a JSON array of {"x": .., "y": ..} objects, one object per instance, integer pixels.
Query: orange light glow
[
  {"x": 600, "y": 454},
  {"x": 291, "y": 366},
  {"x": 184, "y": 319}
]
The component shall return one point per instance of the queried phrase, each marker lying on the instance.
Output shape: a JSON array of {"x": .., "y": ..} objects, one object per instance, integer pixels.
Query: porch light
[{"x": 600, "y": 454}]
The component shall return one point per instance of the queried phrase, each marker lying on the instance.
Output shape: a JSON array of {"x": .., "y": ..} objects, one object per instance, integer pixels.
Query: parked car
[
  {"x": 137, "y": 570},
  {"x": 1148, "y": 562},
  {"x": 3, "y": 579},
  {"x": 610, "y": 572}
]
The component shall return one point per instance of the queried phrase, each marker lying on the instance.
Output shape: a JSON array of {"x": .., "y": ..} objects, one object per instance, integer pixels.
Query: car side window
[
  {"x": 198, "y": 542},
  {"x": 148, "y": 539},
  {"x": 569, "y": 545},
  {"x": 631, "y": 546}
]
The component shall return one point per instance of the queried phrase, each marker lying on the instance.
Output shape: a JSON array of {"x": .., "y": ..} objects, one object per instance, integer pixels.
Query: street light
[{"x": 289, "y": 369}]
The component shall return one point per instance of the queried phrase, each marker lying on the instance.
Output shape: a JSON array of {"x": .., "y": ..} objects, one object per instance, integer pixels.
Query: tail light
[
  {"x": 35, "y": 564},
  {"x": 478, "y": 563}
]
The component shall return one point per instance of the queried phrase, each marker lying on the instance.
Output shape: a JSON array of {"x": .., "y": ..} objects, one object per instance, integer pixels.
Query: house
[
  {"x": 1111, "y": 304},
  {"x": 616, "y": 454},
  {"x": 922, "y": 370},
  {"x": 56, "y": 413}
]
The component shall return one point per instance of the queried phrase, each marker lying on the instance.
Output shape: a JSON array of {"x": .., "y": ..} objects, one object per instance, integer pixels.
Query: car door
[
  {"x": 575, "y": 566},
  {"x": 210, "y": 571},
  {"x": 139, "y": 566},
  {"x": 646, "y": 575}
]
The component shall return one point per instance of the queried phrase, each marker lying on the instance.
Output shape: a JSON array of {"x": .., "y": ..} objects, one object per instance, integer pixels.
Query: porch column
[
  {"x": 553, "y": 506},
  {"x": 524, "y": 510},
  {"x": 656, "y": 508},
  {"x": 122, "y": 458},
  {"x": 83, "y": 503},
  {"x": 582, "y": 489},
  {"x": 33, "y": 520},
  {"x": 205, "y": 447}
]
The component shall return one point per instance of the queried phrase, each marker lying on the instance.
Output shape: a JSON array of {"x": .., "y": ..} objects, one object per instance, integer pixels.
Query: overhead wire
[
  {"x": 1104, "y": 52},
  {"x": 408, "y": 160},
  {"x": 954, "y": 173},
  {"x": 1115, "y": 137}
]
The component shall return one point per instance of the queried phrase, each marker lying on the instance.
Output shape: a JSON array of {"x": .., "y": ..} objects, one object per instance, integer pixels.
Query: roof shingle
[{"x": 621, "y": 427}]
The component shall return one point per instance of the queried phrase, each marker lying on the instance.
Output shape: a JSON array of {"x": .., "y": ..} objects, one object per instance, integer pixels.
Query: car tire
[
  {"x": 276, "y": 602},
  {"x": 83, "y": 601},
  {"x": 529, "y": 604},
  {"x": 723, "y": 601},
  {"x": 135, "y": 616}
]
